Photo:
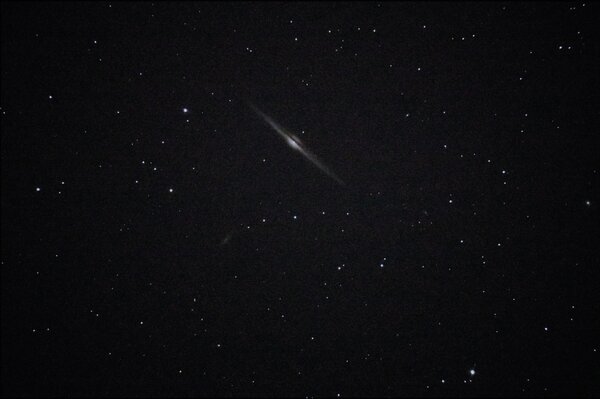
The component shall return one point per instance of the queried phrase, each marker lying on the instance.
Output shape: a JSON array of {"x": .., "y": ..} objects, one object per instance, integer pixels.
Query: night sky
[{"x": 300, "y": 199}]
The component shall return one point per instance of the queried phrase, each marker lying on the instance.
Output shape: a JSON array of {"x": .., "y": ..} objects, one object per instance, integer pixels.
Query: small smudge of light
[
  {"x": 381, "y": 265},
  {"x": 38, "y": 189},
  {"x": 295, "y": 217},
  {"x": 50, "y": 97},
  {"x": 472, "y": 372},
  {"x": 443, "y": 381},
  {"x": 170, "y": 190},
  {"x": 545, "y": 328},
  {"x": 185, "y": 110},
  {"x": 588, "y": 203}
]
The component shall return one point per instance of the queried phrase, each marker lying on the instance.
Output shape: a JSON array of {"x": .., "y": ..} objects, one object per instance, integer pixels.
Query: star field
[{"x": 428, "y": 226}]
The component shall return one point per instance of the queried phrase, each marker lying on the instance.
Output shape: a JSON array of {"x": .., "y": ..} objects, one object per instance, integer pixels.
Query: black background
[{"x": 466, "y": 134}]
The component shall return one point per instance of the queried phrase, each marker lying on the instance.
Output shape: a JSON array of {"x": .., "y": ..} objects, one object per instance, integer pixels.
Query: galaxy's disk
[{"x": 296, "y": 144}]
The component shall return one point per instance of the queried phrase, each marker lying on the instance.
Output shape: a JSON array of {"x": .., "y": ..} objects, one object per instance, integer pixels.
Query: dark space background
[{"x": 159, "y": 238}]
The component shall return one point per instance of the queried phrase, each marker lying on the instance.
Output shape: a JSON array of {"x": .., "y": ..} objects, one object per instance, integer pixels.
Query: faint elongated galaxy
[{"x": 295, "y": 143}]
